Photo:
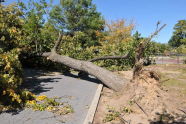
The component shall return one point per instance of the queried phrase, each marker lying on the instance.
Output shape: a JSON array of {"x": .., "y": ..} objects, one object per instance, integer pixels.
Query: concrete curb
[{"x": 91, "y": 112}]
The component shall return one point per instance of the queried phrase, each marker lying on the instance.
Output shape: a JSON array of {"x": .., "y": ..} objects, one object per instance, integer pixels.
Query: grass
[
  {"x": 184, "y": 70},
  {"x": 177, "y": 79},
  {"x": 182, "y": 76},
  {"x": 113, "y": 114},
  {"x": 175, "y": 83}
]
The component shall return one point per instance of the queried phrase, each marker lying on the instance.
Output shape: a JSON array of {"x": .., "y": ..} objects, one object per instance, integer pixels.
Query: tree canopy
[
  {"x": 73, "y": 16},
  {"x": 179, "y": 35}
]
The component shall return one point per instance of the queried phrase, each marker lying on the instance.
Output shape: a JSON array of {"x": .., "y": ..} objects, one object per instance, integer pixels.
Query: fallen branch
[
  {"x": 109, "y": 57},
  {"x": 164, "y": 80},
  {"x": 123, "y": 120},
  {"x": 141, "y": 108},
  {"x": 144, "y": 80},
  {"x": 184, "y": 111}
]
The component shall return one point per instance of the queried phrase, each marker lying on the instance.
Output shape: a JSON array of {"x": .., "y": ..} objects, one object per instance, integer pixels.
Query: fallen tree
[
  {"x": 109, "y": 57},
  {"x": 108, "y": 78}
]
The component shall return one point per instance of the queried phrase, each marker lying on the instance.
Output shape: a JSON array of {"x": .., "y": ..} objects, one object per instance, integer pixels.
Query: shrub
[{"x": 11, "y": 80}]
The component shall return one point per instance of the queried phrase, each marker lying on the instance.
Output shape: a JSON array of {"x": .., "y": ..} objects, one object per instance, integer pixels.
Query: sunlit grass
[{"x": 175, "y": 83}]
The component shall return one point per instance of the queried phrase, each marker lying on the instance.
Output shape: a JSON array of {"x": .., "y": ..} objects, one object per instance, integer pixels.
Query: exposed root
[
  {"x": 143, "y": 101},
  {"x": 149, "y": 97}
]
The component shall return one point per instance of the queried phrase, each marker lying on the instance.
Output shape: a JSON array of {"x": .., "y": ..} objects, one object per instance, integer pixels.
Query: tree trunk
[
  {"x": 139, "y": 58},
  {"x": 110, "y": 79},
  {"x": 109, "y": 57}
]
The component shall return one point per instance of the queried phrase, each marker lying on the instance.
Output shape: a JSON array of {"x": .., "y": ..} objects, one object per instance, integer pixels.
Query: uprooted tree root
[{"x": 151, "y": 101}]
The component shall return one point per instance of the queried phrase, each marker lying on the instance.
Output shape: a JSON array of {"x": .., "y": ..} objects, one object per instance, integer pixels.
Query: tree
[
  {"x": 119, "y": 31},
  {"x": 11, "y": 33},
  {"x": 110, "y": 79},
  {"x": 179, "y": 35},
  {"x": 73, "y": 16},
  {"x": 115, "y": 45},
  {"x": 11, "y": 41},
  {"x": 33, "y": 24},
  {"x": 36, "y": 25},
  {"x": 159, "y": 48},
  {"x": 113, "y": 81}
]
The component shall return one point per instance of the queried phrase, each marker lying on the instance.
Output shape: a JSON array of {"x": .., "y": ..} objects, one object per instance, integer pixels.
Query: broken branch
[{"x": 109, "y": 57}]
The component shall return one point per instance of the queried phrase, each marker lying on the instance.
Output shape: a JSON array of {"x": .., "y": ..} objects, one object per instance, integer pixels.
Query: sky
[{"x": 144, "y": 13}]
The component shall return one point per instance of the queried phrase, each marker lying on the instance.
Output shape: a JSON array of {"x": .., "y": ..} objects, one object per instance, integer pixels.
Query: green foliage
[
  {"x": 118, "y": 31},
  {"x": 118, "y": 49},
  {"x": 160, "y": 48},
  {"x": 109, "y": 48},
  {"x": 111, "y": 115},
  {"x": 179, "y": 35},
  {"x": 24, "y": 27},
  {"x": 152, "y": 48},
  {"x": 11, "y": 80},
  {"x": 105, "y": 49},
  {"x": 38, "y": 38},
  {"x": 117, "y": 41},
  {"x": 11, "y": 40},
  {"x": 39, "y": 34},
  {"x": 126, "y": 110},
  {"x": 73, "y": 16},
  {"x": 11, "y": 33},
  {"x": 181, "y": 49}
]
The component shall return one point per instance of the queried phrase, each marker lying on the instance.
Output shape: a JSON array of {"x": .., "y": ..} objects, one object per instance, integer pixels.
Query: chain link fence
[{"x": 168, "y": 59}]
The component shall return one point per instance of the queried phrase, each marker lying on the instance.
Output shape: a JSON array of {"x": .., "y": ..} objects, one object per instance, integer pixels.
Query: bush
[
  {"x": 11, "y": 33},
  {"x": 11, "y": 80}
]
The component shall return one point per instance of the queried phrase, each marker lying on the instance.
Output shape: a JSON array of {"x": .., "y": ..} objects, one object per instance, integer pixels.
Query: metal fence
[{"x": 169, "y": 59}]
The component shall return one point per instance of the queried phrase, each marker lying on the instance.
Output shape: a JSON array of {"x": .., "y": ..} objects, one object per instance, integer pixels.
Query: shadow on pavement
[
  {"x": 35, "y": 84},
  {"x": 83, "y": 77},
  {"x": 13, "y": 111}
]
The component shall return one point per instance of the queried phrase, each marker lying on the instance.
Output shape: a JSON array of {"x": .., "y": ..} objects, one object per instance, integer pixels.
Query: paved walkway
[{"x": 77, "y": 92}]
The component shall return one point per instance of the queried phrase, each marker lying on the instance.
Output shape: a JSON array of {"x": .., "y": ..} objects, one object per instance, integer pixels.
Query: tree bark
[
  {"x": 139, "y": 59},
  {"x": 110, "y": 79},
  {"x": 109, "y": 57}
]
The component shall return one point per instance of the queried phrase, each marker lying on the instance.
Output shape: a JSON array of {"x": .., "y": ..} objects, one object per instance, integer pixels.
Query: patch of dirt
[{"x": 145, "y": 100}]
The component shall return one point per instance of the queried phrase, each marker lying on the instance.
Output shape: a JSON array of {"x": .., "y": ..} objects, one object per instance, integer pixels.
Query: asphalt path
[{"x": 73, "y": 90}]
